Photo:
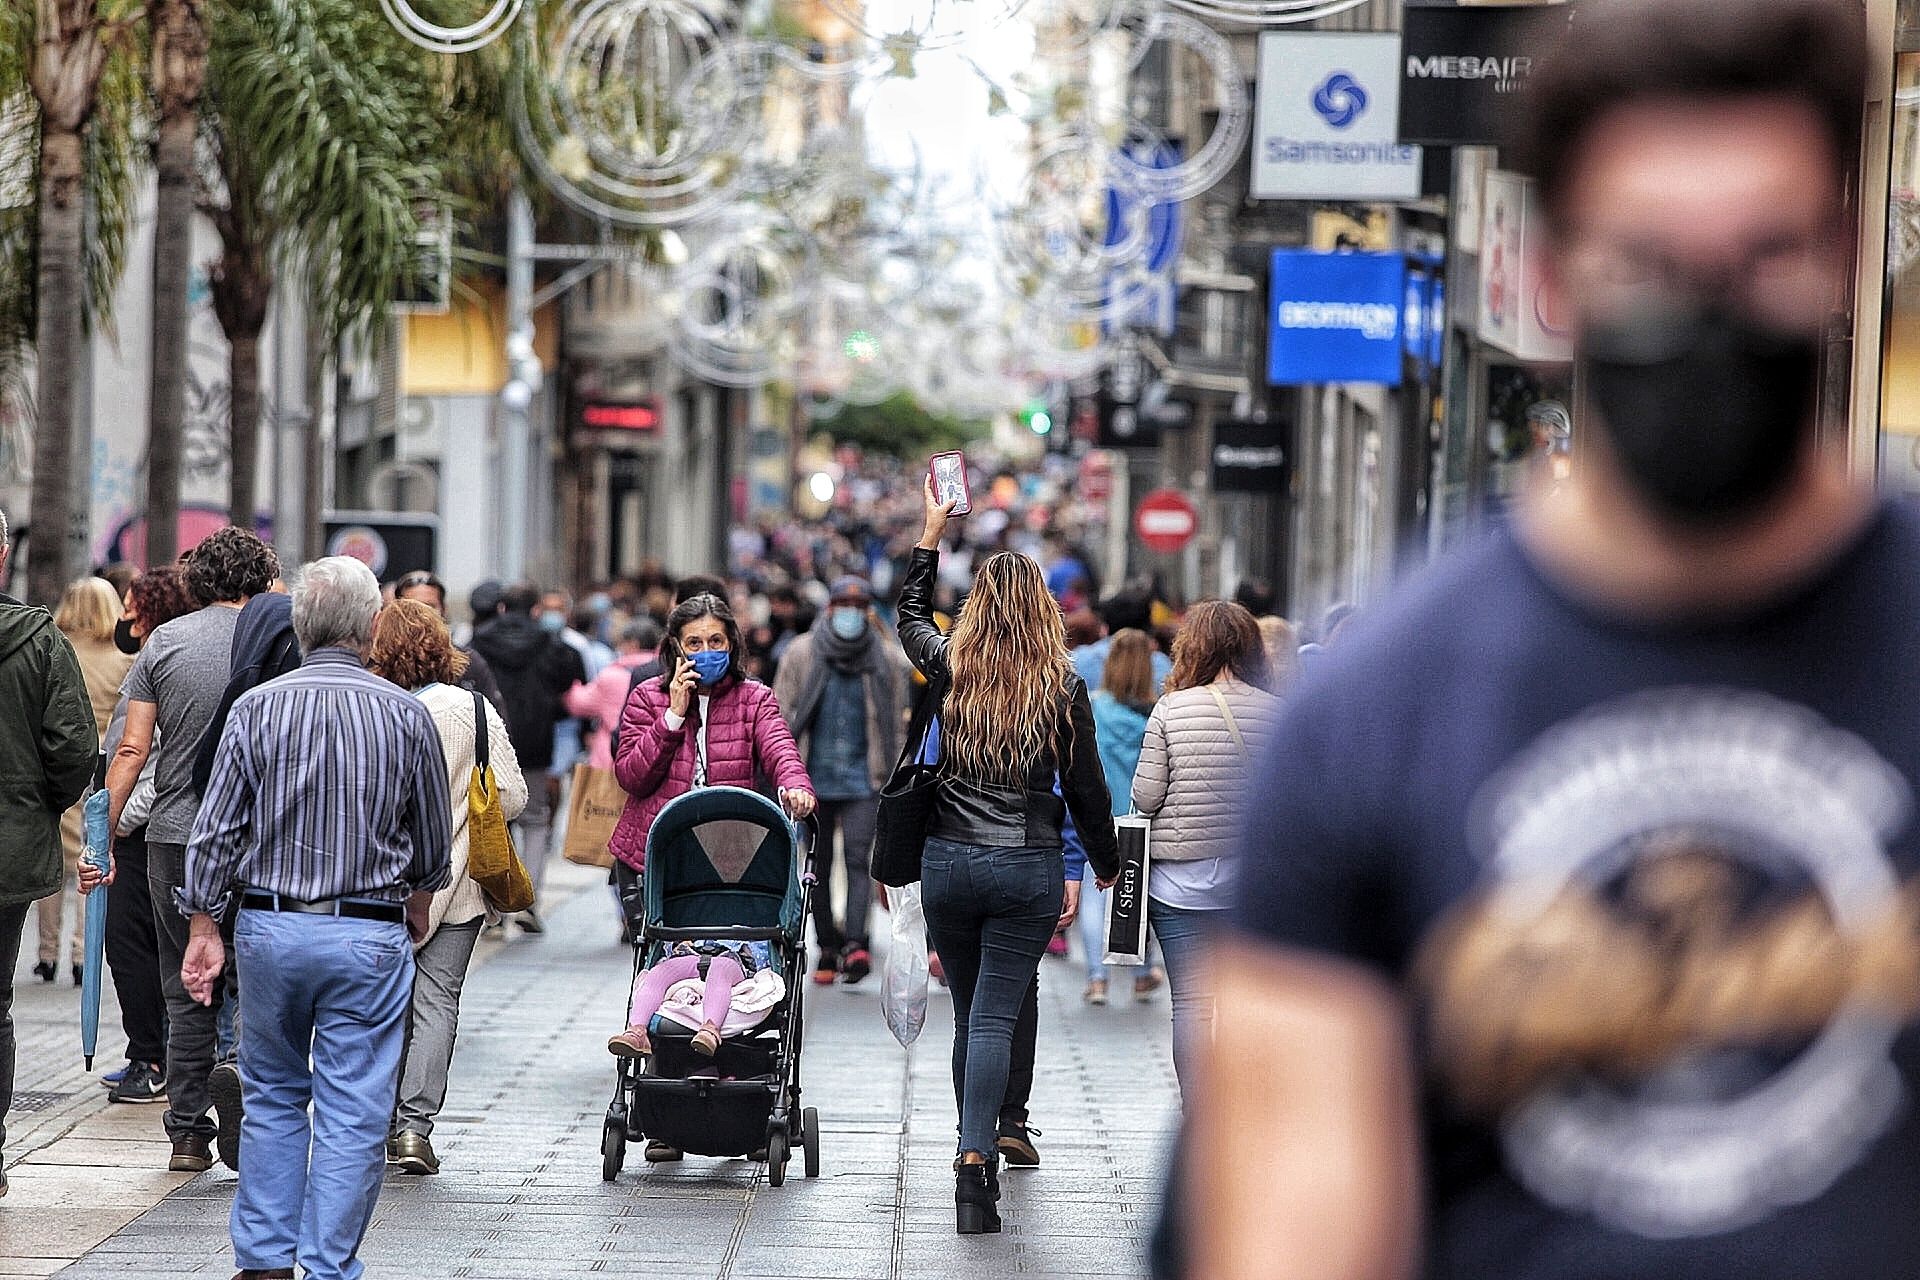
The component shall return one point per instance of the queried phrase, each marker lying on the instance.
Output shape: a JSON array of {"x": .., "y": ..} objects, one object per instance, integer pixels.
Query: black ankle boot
[{"x": 973, "y": 1197}]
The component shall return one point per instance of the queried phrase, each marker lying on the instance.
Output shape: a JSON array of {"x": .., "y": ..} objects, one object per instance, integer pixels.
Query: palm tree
[
  {"x": 331, "y": 135},
  {"x": 67, "y": 66},
  {"x": 179, "y": 37}
]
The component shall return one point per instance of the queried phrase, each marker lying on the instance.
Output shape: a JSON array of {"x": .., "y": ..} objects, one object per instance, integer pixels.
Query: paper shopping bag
[
  {"x": 1127, "y": 901},
  {"x": 592, "y": 814}
]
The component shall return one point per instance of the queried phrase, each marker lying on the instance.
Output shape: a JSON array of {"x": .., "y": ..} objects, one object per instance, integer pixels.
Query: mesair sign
[{"x": 1464, "y": 67}]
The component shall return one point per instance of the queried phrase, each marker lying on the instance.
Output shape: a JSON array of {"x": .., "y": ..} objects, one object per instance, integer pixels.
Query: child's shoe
[
  {"x": 706, "y": 1041},
  {"x": 631, "y": 1043}
]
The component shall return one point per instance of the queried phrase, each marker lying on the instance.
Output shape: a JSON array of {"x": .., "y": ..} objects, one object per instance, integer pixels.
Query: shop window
[{"x": 1900, "y": 372}]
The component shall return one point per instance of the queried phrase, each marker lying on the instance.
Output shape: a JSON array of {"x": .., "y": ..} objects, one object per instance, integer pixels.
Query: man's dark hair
[
  {"x": 1621, "y": 52},
  {"x": 1255, "y": 595},
  {"x": 521, "y": 597},
  {"x": 484, "y": 600},
  {"x": 1128, "y": 607},
  {"x": 698, "y": 584},
  {"x": 230, "y": 564},
  {"x": 420, "y": 578}
]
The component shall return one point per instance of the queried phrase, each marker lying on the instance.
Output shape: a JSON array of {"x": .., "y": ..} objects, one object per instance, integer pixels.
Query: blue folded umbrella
[{"x": 98, "y": 840}]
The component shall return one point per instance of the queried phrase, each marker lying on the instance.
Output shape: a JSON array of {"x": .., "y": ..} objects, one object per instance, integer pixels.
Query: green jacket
[{"x": 48, "y": 748}]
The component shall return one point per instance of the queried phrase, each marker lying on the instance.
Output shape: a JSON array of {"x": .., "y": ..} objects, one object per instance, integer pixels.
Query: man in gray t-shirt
[
  {"x": 173, "y": 693},
  {"x": 182, "y": 672}
]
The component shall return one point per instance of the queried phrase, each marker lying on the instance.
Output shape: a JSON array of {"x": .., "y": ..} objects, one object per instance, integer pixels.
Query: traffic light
[{"x": 1036, "y": 418}]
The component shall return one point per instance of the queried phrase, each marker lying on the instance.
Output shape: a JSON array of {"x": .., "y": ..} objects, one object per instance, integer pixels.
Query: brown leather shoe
[{"x": 191, "y": 1155}]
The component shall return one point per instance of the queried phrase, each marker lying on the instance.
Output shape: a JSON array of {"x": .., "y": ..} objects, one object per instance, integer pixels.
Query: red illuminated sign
[{"x": 641, "y": 416}]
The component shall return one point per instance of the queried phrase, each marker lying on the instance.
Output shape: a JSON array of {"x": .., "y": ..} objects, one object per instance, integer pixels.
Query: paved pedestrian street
[{"x": 520, "y": 1193}]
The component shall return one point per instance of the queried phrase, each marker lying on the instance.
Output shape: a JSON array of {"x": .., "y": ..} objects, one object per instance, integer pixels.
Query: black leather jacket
[{"x": 972, "y": 811}]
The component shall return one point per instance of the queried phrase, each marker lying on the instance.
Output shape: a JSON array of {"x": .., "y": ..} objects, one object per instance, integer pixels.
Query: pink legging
[{"x": 723, "y": 975}]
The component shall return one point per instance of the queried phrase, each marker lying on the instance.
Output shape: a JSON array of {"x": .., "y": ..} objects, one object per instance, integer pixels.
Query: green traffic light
[{"x": 1041, "y": 422}]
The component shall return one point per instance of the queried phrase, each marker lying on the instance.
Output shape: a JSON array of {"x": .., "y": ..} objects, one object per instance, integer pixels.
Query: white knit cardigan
[{"x": 452, "y": 710}]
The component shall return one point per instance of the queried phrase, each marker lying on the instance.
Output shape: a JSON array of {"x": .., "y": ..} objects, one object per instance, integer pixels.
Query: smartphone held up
[{"x": 949, "y": 472}]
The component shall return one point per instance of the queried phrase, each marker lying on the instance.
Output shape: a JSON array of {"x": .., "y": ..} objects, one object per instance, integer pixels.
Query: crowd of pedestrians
[
  {"x": 288, "y": 775},
  {"x": 1553, "y": 919}
]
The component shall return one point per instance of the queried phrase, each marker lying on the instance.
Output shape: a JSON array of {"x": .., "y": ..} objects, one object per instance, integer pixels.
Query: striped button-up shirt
[{"x": 329, "y": 783}]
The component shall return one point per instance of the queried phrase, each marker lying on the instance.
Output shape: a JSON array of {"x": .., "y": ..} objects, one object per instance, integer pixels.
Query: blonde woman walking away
[{"x": 1015, "y": 718}]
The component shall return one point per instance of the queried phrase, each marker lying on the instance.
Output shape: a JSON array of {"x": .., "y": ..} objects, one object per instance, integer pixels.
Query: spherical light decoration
[
  {"x": 477, "y": 34},
  {"x": 632, "y": 110}
]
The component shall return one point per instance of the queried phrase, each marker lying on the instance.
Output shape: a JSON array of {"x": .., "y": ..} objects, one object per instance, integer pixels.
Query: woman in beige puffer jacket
[{"x": 1202, "y": 737}]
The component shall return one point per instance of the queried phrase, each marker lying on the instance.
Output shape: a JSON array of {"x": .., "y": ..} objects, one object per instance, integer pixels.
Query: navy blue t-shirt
[{"x": 1641, "y": 884}]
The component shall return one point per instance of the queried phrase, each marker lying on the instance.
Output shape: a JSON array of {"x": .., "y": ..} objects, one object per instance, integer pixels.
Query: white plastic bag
[{"x": 903, "y": 981}]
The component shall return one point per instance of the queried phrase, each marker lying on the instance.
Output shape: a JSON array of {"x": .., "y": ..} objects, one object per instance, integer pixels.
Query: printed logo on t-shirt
[{"x": 1680, "y": 988}]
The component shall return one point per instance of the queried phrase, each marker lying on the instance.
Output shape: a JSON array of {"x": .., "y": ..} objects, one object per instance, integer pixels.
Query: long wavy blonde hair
[{"x": 1010, "y": 670}]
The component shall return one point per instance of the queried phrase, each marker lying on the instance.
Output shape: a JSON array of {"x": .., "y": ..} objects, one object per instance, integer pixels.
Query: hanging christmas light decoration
[{"x": 483, "y": 31}]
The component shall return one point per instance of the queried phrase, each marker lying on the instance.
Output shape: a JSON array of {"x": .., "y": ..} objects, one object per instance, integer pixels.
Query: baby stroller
[{"x": 722, "y": 863}]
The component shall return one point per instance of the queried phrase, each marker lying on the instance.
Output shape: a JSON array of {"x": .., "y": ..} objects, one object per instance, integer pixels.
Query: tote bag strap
[
  {"x": 482, "y": 758},
  {"x": 1233, "y": 726}
]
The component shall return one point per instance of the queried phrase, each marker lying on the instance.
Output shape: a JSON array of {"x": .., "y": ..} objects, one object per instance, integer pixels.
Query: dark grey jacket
[{"x": 49, "y": 745}]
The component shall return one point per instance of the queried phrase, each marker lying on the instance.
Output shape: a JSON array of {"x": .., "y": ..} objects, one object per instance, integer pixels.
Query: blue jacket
[{"x": 1119, "y": 730}]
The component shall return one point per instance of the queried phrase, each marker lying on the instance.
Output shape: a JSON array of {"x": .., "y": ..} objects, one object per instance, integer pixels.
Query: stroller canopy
[{"x": 723, "y": 856}]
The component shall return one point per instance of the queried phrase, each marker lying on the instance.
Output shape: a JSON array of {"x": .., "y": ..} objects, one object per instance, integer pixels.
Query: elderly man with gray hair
[{"x": 327, "y": 808}]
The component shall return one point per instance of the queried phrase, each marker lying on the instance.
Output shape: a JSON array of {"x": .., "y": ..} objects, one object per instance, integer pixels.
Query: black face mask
[
  {"x": 1708, "y": 412},
  {"x": 123, "y": 637}
]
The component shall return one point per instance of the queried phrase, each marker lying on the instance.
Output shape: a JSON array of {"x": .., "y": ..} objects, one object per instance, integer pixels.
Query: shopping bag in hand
[
  {"x": 1127, "y": 903},
  {"x": 903, "y": 980}
]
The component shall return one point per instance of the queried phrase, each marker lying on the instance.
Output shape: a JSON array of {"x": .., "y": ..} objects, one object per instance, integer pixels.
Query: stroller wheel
[
  {"x": 776, "y": 1158},
  {"x": 613, "y": 1150},
  {"x": 810, "y": 1140}
]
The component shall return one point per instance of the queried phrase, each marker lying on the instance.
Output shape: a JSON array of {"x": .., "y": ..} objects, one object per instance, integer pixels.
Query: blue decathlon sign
[{"x": 1335, "y": 317}]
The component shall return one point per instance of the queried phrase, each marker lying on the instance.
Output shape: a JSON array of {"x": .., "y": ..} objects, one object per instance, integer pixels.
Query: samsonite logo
[{"x": 1507, "y": 74}]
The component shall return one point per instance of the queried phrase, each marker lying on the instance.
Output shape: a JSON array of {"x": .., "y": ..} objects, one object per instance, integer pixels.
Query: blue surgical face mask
[
  {"x": 847, "y": 621},
  {"x": 709, "y": 665},
  {"x": 553, "y": 623}
]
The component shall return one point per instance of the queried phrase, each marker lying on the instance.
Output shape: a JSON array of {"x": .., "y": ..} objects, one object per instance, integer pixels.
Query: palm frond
[
  {"x": 347, "y": 130},
  {"x": 113, "y": 157}
]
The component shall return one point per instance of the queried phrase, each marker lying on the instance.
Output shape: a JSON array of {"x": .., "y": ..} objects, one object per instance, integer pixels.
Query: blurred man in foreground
[{"x": 1612, "y": 817}]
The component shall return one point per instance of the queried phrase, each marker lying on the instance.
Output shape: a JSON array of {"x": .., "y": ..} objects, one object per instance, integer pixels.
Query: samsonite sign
[
  {"x": 1464, "y": 66},
  {"x": 1335, "y": 317},
  {"x": 1325, "y": 115}
]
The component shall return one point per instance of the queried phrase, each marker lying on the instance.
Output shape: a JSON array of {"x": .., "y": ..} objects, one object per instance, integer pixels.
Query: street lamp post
[{"x": 523, "y": 373}]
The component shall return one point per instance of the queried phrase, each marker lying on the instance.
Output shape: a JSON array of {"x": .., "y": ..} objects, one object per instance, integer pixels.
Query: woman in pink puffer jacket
[{"x": 703, "y": 723}]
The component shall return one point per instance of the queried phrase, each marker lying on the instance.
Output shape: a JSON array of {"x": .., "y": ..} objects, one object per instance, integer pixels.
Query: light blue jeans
[
  {"x": 1183, "y": 935},
  {"x": 323, "y": 1014},
  {"x": 1093, "y": 931}
]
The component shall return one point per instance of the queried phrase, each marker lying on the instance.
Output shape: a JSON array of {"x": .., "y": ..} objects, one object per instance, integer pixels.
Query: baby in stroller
[{"x": 722, "y": 966}]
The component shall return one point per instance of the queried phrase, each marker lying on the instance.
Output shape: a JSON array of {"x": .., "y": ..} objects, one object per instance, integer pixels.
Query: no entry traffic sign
[{"x": 1166, "y": 521}]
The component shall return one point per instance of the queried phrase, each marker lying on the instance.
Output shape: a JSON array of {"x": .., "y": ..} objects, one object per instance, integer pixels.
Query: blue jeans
[
  {"x": 1183, "y": 935},
  {"x": 323, "y": 1012},
  {"x": 990, "y": 913},
  {"x": 1093, "y": 931}
]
